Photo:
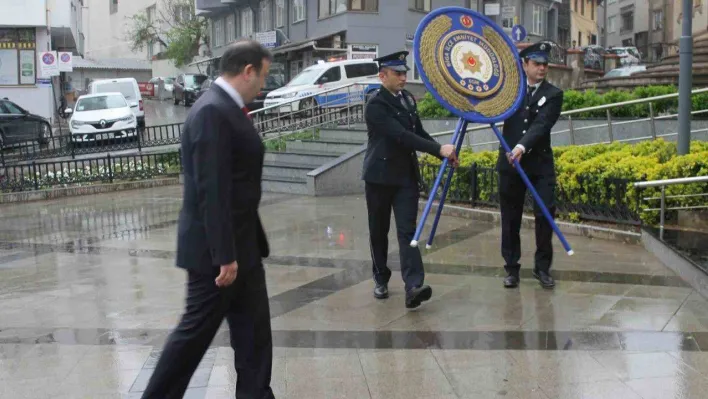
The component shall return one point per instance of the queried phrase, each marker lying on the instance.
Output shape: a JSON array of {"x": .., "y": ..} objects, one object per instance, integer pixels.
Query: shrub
[
  {"x": 428, "y": 107},
  {"x": 588, "y": 174}
]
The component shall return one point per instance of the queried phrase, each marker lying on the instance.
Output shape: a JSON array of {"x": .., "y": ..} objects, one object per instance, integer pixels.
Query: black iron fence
[
  {"x": 79, "y": 172},
  {"x": 65, "y": 144},
  {"x": 607, "y": 200}
]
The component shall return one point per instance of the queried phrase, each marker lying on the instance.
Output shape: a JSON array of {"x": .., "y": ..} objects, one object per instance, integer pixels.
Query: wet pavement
[{"x": 88, "y": 294}]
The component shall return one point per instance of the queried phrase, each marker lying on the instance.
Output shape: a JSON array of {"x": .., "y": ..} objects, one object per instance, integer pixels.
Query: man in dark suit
[
  {"x": 528, "y": 132},
  {"x": 392, "y": 177},
  {"x": 221, "y": 241}
]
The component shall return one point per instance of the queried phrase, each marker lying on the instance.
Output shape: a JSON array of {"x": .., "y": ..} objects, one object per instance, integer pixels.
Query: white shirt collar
[{"x": 231, "y": 91}]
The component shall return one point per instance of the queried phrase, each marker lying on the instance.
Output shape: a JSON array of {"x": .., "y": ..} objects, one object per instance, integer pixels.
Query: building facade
[
  {"x": 627, "y": 24},
  {"x": 301, "y": 32},
  {"x": 28, "y": 27},
  {"x": 583, "y": 22}
]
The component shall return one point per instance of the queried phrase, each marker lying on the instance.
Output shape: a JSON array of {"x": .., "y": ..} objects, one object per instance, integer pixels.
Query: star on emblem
[
  {"x": 401, "y": 57},
  {"x": 471, "y": 62},
  {"x": 543, "y": 47}
]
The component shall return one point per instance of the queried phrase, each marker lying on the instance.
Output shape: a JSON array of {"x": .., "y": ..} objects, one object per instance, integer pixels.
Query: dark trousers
[
  {"x": 245, "y": 306},
  {"x": 512, "y": 192},
  {"x": 380, "y": 199}
]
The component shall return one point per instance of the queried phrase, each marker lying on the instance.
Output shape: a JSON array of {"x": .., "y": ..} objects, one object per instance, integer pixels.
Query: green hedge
[
  {"x": 428, "y": 107},
  {"x": 593, "y": 164}
]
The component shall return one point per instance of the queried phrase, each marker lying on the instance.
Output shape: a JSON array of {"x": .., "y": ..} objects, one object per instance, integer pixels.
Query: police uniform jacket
[
  {"x": 531, "y": 127},
  {"x": 395, "y": 133}
]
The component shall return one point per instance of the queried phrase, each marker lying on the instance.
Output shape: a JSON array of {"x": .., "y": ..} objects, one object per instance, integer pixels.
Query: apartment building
[
  {"x": 28, "y": 27},
  {"x": 301, "y": 32},
  {"x": 583, "y": 22},
  {"x": 627, "y": 24}
]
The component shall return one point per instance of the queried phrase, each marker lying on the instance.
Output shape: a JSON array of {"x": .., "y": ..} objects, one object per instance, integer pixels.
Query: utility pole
[{"x": 685, "y": 79}]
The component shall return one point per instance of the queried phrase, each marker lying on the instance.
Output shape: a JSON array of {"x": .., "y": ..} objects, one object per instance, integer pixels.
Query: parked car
[
  {"x": 628, "y": 55},
  {"x": 186, "y": 86},
  {"x": 625, "y": 71},
  {"x": 322, "y": 77},
  {"x": 18, "y": 125},
  {"x": 593, "y": 57},
  {"x": 128, "y": 87},
  {"x": 104, "y": 116},
  {"x": 273, "y": 82},
  {"x": 168, "y": 83}
]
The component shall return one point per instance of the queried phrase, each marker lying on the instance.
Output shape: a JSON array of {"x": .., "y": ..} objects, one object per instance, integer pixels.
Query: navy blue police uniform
[
  {"x": 529, "y": 129},
  {"x": 392, "y": 177}
]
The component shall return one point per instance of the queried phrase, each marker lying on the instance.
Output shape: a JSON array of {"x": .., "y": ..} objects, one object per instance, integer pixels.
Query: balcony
[
  {"x": 65, "y": 17},
  {"x": 217, "y": 5}
]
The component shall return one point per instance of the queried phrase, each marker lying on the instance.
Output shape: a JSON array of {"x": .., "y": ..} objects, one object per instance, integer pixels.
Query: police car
[{"x": 314, "y": 87}]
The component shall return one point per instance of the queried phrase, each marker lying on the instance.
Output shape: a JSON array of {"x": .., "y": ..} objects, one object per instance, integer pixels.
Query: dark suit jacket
[
  {"x": 395, "y": 134},
  {"x": 531, "y": 127},
  {"x": 222, "y": 158}
]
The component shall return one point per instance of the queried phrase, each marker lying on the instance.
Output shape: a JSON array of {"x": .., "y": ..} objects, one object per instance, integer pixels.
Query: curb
[
  {"x": 583, "y": 230},
  {"x": 54, "y": 193}
]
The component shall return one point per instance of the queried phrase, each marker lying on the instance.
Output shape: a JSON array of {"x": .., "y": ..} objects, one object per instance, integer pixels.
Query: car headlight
[
  {"x": 129, "y": 118},
  {"x": 77, "y": 124},
  {"x": 289, "y": 95}
]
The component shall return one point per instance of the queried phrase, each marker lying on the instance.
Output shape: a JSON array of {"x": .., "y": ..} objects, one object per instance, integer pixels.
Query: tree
[{"x": 173, "y": 24}]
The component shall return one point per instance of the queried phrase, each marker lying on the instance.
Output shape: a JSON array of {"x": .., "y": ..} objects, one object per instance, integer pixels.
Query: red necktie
[{"x": 246, "y": 111}]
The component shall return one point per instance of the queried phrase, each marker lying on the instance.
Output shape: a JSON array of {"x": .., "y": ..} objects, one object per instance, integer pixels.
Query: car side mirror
[{"x": 134, "y": 104}]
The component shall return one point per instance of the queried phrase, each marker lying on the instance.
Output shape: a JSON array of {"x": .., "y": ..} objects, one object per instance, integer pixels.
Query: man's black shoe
[
  {"x": 417, "y": 295},
  {"x": 381, "y": 291},
  {"x": 544, "y": 278},
  {"x": 511, "y": 281}
]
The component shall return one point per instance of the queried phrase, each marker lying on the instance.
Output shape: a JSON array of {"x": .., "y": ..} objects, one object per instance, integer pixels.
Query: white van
[
  {"x": 322, "y": 77},
  {"x": 126, "y": 86}
]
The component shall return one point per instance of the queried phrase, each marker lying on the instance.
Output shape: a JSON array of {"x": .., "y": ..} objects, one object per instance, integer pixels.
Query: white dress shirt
[{"x": 231, "y": 91}]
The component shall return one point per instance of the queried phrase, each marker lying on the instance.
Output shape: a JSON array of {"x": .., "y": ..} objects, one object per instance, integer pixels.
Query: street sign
[{"x": 518, "y": 33}]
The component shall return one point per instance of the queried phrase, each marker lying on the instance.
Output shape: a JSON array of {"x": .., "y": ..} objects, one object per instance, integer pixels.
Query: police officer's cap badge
[{"x": 469, "y": 64}]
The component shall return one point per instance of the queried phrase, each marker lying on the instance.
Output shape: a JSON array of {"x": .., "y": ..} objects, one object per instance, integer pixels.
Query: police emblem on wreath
[{"x": 469, "y": 64}]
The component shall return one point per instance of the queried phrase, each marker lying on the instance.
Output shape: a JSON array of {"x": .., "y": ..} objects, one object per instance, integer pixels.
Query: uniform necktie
[
  {"x": 246, "y": 111},
  {"x": 402, "y": 100}
]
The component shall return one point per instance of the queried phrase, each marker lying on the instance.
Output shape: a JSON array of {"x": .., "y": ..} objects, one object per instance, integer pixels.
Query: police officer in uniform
[
  {"x": 528, "y": 133},
  {"x": 392, "y": 176}
]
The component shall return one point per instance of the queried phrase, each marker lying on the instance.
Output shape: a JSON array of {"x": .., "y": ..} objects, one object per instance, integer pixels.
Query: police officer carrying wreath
[
  {"x": 528, "y": 132},
  {"x": 392, "y": 176}
]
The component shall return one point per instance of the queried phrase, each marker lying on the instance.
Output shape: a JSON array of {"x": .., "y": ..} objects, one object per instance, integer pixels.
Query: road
[{"x": 164, "y": 112}]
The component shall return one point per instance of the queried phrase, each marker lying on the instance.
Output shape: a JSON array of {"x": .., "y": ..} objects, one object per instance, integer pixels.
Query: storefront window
[{"x": 17, "y": 57}]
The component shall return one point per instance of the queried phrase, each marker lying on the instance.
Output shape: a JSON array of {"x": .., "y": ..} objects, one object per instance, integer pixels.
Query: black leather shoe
[
  {"x": 544, "y": 278},
  {"x": 511, "y": 281},
  {"x": 417, "y": 295},
  {"x": 381, "y": 291}
]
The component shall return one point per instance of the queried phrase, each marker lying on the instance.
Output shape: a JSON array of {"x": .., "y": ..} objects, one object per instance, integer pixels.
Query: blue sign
[
  {"x": 469, "y": 64},
  {"x": 518, "y": 33}
]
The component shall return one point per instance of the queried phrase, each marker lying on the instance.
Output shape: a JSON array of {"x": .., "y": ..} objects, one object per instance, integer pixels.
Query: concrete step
[
  {"x": 344, "y": 134},
  {"x": 326, "y": 146},
  {"x": 300, "y": 157},
  {"x": 288, "y": 170},
  {"x": 275, "y": 184}
]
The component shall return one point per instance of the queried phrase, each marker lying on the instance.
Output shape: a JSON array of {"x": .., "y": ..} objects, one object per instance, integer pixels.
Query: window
[
  {"x": 580, "y": 39},
  {"x": 246, "y": 21},
  {"x": 592, "y": 10},
  {"x": 264, "y": 21},
  {"x": 125, "y": 88},
  {"x": 612, "y": 24},
  {"x": 100, "y": 102},
  {"x": 10, "y": 108},
  {"x": 582, "y": 7},
  {"x": 364, "y": 5},
  {"x": 537, "y": 26},
  {"x": 182, "y": 13},
  {"x": 413, "y": 74},
  {"x": 332, "y": 7},
  {"x": 508, "y": 22},
  {"x": 420, "y": 5},
  {"x": 279, "y": 13},
  {"x": 575, "y": 5},
  {"x": 627, "y": 21},
  {"x": 298, "y": 10},
  {"x": 219, "y": 31},
  {"x": 658, "y": 20},
  {"x": 17, "y": 57},
  {"x": 114, "y": 6},
  {"x": 361, "y": 70},
  {"x": 334, "y": 74},
  {"x": 230, "y": 28}
]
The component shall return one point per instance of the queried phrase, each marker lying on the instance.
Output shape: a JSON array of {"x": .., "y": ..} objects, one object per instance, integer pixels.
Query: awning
[
  {"x": 204, "y": 61},
  {"x": 312, "y": 42}
]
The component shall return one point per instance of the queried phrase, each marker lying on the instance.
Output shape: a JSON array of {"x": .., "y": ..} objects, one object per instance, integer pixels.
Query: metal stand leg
[
  {"x": 536, "y": 197},
  {"x": 458, "y": 146},
  {"x": 421, "y": 223}
]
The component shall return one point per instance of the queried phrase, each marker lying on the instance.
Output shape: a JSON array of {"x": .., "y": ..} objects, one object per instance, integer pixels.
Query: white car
[
  {"x": 126, "y": 86},
  {"x": 105, "y": 116}
]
